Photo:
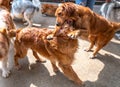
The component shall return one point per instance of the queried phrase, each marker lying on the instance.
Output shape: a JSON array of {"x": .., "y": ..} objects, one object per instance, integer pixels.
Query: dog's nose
[{"x": 57, "y": 24}]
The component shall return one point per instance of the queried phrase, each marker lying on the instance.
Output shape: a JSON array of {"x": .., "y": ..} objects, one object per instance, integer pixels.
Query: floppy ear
[
  {"x": 59, "y": 11},
  {"x": 3, "y": 31},
  {"x": 13, "y": 32},
  {"x": 66, "y": 9}
]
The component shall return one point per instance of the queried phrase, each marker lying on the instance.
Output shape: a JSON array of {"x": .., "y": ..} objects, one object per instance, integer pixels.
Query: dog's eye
[
  {"x": 59, "y": 14},
  {"x": 70, "y": 22}
]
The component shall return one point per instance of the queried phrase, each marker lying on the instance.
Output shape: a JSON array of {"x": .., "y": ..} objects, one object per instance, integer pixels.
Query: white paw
[
  {"x": 92, "y": 56},
  {"x": 86, "y": 49},
  {"x": 26, "y": 23},
  {"x": 50, "y": 37},
  {"x": 5, "y": 73}
]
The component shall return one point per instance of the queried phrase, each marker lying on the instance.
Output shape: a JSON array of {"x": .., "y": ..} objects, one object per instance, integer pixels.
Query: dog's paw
[
  {"x": 92, "y": 56},
  {"x": 18, "y": 67},
  {"x": 79, "y": 82},
  {"x": 50, "y": 37},
  {"x": 73, "y": 35},
  {"x": 87, "y": 49},
  {"x": 5, "y": 73}
]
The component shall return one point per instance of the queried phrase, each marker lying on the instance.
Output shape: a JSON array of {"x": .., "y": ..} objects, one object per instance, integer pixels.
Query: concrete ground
[{"x": 103, "y": 71}]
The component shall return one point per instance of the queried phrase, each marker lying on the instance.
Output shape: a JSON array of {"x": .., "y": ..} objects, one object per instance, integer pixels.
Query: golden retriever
[
  {"x": 49, "y": 9},
  {"x": 100, "y": 31},
  {"x": 59, "y": 49}
]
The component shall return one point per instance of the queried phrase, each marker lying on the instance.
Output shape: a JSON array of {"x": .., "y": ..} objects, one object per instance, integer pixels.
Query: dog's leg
[
  {"x": 21, "y": 52},
  {"x": 92, "y": 43},
  {"x": 17, "y": 56},
  {"x": 37, "y": 57},
  {"x": 69, "y": 72},
  {"x": 100, "y": 45},
  {"x": 5, "y": 70},
  {"x": 110, "y": 7},
  {"x": 28, "y": 14},
  {"x": 53, "y": 62},
  {"x": 29, "y": 23},
  {"x": 93, "y": 55}
]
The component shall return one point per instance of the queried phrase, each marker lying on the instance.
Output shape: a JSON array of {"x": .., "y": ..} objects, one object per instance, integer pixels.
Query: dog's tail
[{"x": 13, "y": 32}]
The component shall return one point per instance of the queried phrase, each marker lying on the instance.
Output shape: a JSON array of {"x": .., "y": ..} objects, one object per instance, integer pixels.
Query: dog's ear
[
  {"x": 13, "y": 32},
  {"x": 3, "y": 31},
  {"x": 67, "y": 9},
  {"x": 59, "y": 10}
]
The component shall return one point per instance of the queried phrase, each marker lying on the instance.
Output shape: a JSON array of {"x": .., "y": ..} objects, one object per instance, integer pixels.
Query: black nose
[{"x": 57, "y": 24}]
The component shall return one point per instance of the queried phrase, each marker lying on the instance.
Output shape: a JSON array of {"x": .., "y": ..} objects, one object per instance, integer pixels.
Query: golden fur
[
  {"x": 6, "y": 3},
  {"x": 100, "y": 31},
  {"x": 49, "y": 9},
  {"x": 56, "y": 49}
]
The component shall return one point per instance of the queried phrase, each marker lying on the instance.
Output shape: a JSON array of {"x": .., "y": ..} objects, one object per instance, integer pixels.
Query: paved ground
[{"x": 104, "y": 71}]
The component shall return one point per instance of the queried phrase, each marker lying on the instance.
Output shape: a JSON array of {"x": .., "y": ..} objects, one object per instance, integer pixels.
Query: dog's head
[
  {"x": 69, "y": 10},
  {"x": 64, "y": 11},
  {"x": 70, "y": 31}
]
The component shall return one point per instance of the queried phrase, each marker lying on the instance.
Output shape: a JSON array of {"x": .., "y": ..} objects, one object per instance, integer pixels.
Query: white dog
[
  {"x": 111, "y": 11},
  {"x": 25, "y": 9}
]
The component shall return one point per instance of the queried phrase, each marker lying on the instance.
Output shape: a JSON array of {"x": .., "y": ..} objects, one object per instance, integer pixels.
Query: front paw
[
  {"x": 50, "y": 37},
  {"x": 5, "y": 73},
  {"x": 92, "y": 56},
  {"x": 74, "y": 34}
]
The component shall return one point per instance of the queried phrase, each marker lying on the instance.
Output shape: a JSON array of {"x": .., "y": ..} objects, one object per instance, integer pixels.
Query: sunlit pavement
[{"x": 103, "y": 71}]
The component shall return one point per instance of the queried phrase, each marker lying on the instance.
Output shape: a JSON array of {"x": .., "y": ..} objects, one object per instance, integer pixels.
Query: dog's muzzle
[{"x": 57, "y": 24}]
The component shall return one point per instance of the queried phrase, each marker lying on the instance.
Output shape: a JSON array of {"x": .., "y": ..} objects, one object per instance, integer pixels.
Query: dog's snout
[{"x": 57, "y": 24}]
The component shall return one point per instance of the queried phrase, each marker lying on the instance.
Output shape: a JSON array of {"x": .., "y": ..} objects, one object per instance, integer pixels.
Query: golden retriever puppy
[
  {"x": 55, "y": 49},
  {"x": 4, "y": 49},
  {"x": 48, "y": 9},
  {"x": 100, "y": 30},
  {"x": 6, "y": 3}
]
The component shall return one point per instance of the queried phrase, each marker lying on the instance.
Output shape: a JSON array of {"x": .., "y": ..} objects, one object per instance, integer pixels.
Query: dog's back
[{"x": 49, "y": 9}]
